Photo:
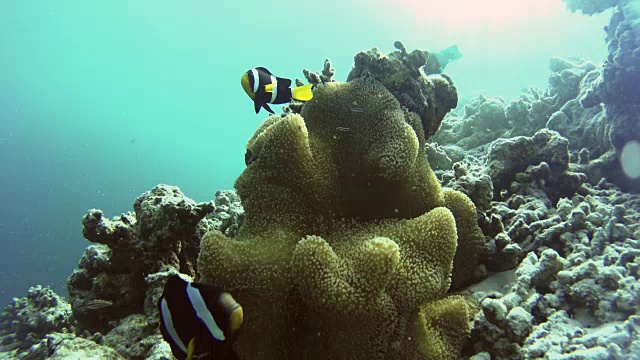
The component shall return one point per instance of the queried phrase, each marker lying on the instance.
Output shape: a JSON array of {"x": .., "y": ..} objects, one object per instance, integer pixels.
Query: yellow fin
[
  {"x": 191, "y": 348},
  {"x": 268, "y": 88},
  {"x": 232, "y": 308},
  {"x": 235, "y": 320},
  {"x": 244, "y": 81},
  {"x": 302, "y": 93}
]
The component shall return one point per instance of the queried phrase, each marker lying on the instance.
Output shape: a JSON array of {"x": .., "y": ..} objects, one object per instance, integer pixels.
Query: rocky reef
[{"x": 617, "y": 85}]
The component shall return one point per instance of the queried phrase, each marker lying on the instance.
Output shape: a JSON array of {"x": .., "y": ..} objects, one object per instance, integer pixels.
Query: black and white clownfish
[
  {"x": 199, "y": 321},
  {"x": 264, "y": 88}
]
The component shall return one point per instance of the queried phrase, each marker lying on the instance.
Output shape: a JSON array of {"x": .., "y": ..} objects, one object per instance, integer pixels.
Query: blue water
[{"x": 100, "y": 102}]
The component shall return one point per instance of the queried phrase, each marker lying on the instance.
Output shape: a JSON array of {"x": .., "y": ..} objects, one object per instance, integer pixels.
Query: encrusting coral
[{"x": 348, "y": 242}]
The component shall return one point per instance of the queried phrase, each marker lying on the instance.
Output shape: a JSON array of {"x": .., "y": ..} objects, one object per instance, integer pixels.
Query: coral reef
[
  {"x": 414, "y": 79},
  {"x": 470, "y": 180},
  {"x": 483, "y": 121},
  {"x": 58, "y": 346},
  {"x": 486, "y": 118},
  {"x": 620, "y": 79},
  {"x": 582, "y": 254},
  {"x": 429, "y": 96},
  {"x": 383, "y": 228},
  {"x": 590, "y": 7},
  {"x": 323, "y": 77},
  {"x": 326, "y": 75},
  {"x": 545, "y": 156},
  {"x": 160, "y": 234},
  {"x": 27, "y": 320},
  {"x": 227, "y": 216},
  {"x": 617, "y": 85},
  {"x": 621, "y": 74},
  {"x": 571, "y": 106},
  {"x": 118, "y": 281},
  {"x": 134, "y": 338},
  {"x": 553, "y": 212},
  {"x": 582, "y": 264},
  {"x": 348, "y": 243},
  {"x": 360, "y": 238}
]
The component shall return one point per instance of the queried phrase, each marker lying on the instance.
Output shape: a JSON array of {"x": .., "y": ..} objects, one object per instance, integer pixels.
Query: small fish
[
  {"x": 98, "y": 304},
  {"x": 448, "y": 55},
  {"x": 264, "y": 88},
  {"x": 199, "y": 321},
  {"x": 357, "y": 109},
  {"x": 249, "y": 157},
  {"x": 343, "y": 129}
]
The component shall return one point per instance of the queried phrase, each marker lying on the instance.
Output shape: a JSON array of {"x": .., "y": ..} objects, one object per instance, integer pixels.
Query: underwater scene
[{"x": 307, "y": 180}]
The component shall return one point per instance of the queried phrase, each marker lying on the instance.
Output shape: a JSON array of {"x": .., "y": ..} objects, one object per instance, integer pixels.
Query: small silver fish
[
  {"x": 357, "y": 109},
  {"x": 98, "y": 304},
  {"x": 343, "y": 129}
]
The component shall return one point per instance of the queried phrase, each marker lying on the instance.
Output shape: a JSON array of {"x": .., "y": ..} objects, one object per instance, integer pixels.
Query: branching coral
[
  {"x": 320, "y": 78},
  {"x": 348, "y": 243}
]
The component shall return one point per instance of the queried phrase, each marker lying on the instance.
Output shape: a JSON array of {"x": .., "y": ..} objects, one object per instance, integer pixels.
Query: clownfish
[
  {"x": 264, "y": 88},
  {"x": 199, "y": 321}
]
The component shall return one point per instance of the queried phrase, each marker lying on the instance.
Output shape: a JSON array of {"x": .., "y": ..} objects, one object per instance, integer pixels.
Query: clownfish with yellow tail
[
  {"x": 264, "y": 88},
  {"x": 199, "y": 321}
]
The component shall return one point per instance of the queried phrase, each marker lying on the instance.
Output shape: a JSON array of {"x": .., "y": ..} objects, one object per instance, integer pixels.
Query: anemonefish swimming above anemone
[
  {"x": 199, "y": 321},
  {"x": 264, "y": 88}
]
